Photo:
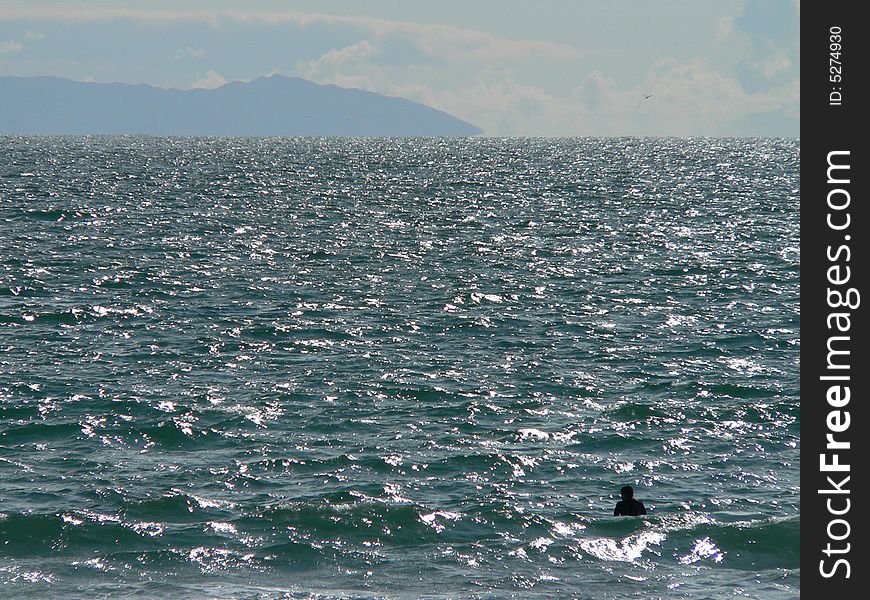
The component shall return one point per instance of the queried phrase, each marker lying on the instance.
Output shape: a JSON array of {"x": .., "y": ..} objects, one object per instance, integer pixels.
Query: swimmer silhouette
[{"x": 628, "y": 506}]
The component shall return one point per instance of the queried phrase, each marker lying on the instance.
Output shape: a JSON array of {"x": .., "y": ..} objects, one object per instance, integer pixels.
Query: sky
[{"x": 511, "y": 67}]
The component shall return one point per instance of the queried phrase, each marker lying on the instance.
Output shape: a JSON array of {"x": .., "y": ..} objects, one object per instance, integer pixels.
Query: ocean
[{"x": 398, "y": 368}]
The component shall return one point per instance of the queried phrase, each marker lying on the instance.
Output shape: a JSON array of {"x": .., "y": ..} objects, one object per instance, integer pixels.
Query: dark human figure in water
[{"x": 628, "y": 506}]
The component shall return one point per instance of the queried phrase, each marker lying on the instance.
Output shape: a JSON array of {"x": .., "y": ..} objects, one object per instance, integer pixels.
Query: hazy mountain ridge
[{"x": 267, "y": 106}]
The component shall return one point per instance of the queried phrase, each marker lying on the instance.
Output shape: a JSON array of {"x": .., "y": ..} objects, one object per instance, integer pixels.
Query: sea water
[{"x": 398, "y": 368}]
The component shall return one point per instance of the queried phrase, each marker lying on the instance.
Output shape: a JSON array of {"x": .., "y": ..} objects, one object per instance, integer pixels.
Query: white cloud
[
  {"x": 16, "y": 46},
  {"x": 515, "y": 86},
  {"x": 189, "y": 53},
  {"x": 212, "y": 80},
  {"x": 436, "y": 40},
  {"x": 688, "y": 98},
  {"x": 772, "y": 28},
  {"x": 346, "y": 67},
  {"x": 11, "y": 47},
  {"x": 332, "y": 64}
]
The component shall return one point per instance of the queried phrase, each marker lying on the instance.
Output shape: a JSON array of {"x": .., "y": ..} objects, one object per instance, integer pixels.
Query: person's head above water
[{"x": 628, "y": 506}]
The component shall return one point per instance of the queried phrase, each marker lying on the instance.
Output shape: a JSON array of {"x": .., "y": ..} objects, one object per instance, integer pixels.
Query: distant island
[{"x": 267, "y": 106}]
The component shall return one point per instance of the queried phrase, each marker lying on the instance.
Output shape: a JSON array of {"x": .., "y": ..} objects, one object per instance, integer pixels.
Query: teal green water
[{"x": 325, "y": 368}]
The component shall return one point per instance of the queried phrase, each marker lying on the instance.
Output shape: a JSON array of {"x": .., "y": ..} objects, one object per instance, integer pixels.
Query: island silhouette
[{"x": 267, "y": 106}]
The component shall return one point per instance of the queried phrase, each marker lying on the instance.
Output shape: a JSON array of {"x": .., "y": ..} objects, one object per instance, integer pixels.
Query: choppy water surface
[{"x": 398, "y": 368}]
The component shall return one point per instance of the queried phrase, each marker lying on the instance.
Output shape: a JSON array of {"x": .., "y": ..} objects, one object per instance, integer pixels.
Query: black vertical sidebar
[{"x": 835, "y": 420}]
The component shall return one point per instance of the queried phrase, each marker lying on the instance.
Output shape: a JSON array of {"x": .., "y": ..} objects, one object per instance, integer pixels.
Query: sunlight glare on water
[{"x": 238, "y": 368}]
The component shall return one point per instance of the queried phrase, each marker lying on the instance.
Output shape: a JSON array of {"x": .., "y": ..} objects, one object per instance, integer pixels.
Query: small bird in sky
[{"x": 647, "y": 97}]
